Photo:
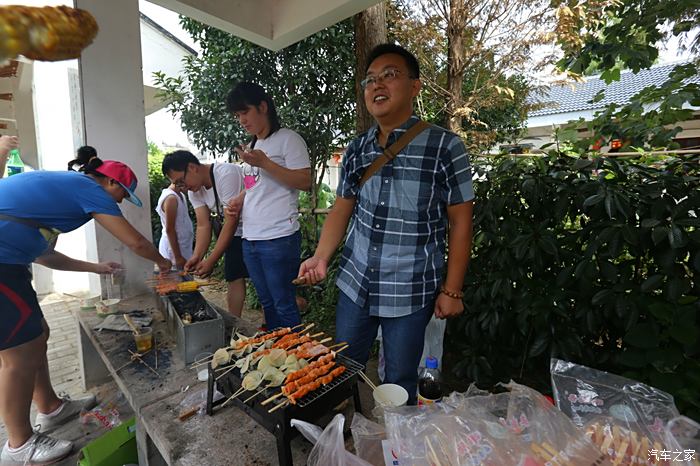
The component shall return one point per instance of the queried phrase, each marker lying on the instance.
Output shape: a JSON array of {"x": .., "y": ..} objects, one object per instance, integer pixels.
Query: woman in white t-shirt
[
  {"x": 212, "y": 187},
  {"x": 276, "y": 168},
  {"x": 178, "y": 233}
]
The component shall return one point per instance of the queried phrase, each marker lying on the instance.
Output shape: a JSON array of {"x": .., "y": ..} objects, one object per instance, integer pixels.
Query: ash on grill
[{"x": 193, "y": 304}]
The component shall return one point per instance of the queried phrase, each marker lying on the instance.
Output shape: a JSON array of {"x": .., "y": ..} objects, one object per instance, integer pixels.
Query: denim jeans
[
  {"x": 272, "y": 265},
  {"x": 402, "y": 338}
]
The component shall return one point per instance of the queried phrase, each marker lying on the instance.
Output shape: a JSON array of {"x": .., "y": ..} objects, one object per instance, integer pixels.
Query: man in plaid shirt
[{"x": 391, "y": 271}]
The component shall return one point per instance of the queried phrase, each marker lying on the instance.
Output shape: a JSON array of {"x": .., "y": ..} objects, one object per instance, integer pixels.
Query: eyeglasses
[
  {"x": 180, "y": 182},
  {"x": 387, "y": 75}
]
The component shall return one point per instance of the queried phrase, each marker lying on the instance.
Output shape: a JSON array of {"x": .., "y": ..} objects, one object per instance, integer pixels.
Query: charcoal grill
[{"x": 309, "y": 408}]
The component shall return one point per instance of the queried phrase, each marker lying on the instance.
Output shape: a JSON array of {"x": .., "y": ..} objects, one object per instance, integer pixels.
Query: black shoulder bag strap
[
  {"x": 216, "y": 195},
  {"x": 392, "y": 151}
]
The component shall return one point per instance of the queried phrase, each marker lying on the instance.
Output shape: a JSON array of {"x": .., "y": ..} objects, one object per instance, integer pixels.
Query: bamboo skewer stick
[
  {"x": 271, "y": 399},
  {"x": 256, "y": 394},
  {"x": 138, "y": 356},
  {"x": 236, "y": 393},
  {"x": 131, "y": 324},
  {"x": 281, "y": 405},
  {"x": 338, "y": 344},
  {"x": 225, "y": 372}
]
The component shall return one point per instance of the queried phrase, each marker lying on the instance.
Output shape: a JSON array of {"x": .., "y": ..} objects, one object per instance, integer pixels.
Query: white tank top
[{"x": 183, "y": 227}]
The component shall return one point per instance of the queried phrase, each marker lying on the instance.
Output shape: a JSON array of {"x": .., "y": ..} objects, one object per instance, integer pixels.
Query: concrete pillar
[{"x": 113, "y": 115}]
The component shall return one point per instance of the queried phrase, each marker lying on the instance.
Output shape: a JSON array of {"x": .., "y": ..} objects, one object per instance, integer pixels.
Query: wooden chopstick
[{"x": 368, "y": 380}]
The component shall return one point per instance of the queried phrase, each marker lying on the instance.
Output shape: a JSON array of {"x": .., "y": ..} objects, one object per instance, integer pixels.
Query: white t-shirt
[
  {"x": 271, "y": 209},
  {"x": 183, "y": 227},
  {"x": 229, "y": 183}
]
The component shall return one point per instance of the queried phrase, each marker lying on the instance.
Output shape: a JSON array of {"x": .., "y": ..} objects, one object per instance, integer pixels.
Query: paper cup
[{"x": 390, "y": 394}]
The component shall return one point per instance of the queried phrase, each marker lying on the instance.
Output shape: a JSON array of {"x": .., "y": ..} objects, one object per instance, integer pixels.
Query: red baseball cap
[{"x": 123, "y": 175}]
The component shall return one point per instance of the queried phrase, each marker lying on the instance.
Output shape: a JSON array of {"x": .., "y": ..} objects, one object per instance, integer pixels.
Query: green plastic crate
[{"x": 115, "y": 448}]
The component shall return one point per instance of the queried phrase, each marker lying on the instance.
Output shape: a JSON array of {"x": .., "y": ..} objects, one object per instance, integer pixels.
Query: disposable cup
[
  {"x": 390, "y": 394},
  {"x": 203, "y": 371},
  {"x": 144, "y": 340}
]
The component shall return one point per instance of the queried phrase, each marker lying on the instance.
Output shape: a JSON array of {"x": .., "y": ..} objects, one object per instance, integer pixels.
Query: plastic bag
[
  {"x": 685, "y": 433},
  {"x": 432, "y": 345},
  {"x": 105, "y": 414},
  {"x": 549, "y": 434},
  {"x": 329, "y": 448},
  {"x": 196, "y": 403},
  {"x": 585, "y": 394},
  {"x": 368, "y": 436},
  {"x": 440, "y": 434}
]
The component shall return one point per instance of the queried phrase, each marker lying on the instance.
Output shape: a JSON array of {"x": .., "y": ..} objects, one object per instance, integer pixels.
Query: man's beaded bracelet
[{"x": 451, "y": 294}]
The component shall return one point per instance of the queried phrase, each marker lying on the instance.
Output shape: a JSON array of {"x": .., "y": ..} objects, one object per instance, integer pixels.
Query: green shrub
[
  {"x": 156, "y": 183},
  {"x": 592, "y": 261}
]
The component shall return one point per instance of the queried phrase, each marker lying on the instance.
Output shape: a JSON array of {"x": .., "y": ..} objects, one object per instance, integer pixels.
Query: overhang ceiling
[{"x": 273, "y": 24}]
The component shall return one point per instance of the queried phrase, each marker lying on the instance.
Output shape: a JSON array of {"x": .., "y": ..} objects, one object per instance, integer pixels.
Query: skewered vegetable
[
  {"x": 221, "y": 356},
  {"x": 45, "y": 33}
]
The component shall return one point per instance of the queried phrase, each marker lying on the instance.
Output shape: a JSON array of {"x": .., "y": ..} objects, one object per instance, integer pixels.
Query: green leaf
[
  {"x": 602, "y": 296},
  {"x": 665, "y": 360},
  {"x": 593, "y": 200},
  {"x": 643, "y": 335},
  {"x": 685, "y": 334},
  {"x": 539, "y": 345},
  {"x": 658, "y": 234},
  {"x": 675, "y": 237},
  {"x": 650, "y": 222},
  {"x": 632, "y": 358},
  {"x": 652, "y": 283},
  {"x": 582, "y": 163}
]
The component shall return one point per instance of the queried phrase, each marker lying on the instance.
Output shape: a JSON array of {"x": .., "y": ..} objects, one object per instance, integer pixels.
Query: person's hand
[
  {"x": 164, "y": 265},
  {"x": 180, "y": 262},
  {"x": 107, "y": 267},
  {"x": 7, "y": 143},
  {"x": 254, "y": 158},
  {"x": 191, "y": 264},
  {"x": 204, "y": 268},
  {"x": 312, "y": 271},
  {"x": 446, "y": 307}
]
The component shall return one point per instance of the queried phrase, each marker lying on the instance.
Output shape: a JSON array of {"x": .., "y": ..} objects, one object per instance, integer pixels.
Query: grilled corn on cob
[{"x": 45, "y": 33}]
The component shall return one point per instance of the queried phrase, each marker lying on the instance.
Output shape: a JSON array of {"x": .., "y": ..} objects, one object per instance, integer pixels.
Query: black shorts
[
  {"x": 20, "y": 314},
  {"x": 234, "y": 267}
]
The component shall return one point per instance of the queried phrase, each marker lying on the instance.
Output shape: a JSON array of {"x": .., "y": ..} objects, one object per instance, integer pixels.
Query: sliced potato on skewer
[
  {"x": 252, "y": 380},
  {"x": 277, "y": 357},
  {"x": 221, "y": 357}
]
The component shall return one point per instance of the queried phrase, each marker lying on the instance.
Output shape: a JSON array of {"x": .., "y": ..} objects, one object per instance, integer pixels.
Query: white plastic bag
[
  {"x": 368, "y": 436},
  {"x": 329, "y": 445},
  {"x": 432, "y": 345}
]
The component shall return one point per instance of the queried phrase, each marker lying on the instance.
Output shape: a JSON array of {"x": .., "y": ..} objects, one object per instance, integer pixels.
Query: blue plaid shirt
[{"x": 395, "y": 249}]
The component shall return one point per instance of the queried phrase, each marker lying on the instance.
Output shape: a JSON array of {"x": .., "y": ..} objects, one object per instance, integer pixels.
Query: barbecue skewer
[
  {"x": 256, "y": 393},
  {"x": 281, "y": 405},
  {"x": 235, "y": 394},
  {"x": 138, "y": 356}
]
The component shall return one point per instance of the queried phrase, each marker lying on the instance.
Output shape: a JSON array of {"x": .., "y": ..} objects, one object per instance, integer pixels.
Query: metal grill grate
[{"x": 351, "y": 369}]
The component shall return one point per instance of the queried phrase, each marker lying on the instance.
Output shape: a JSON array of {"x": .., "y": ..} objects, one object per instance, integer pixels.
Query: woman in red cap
[{"x": 34, "y": 208}]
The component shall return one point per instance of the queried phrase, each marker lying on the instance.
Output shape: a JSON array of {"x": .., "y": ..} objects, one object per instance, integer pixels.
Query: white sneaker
[
  {"x": 40, "y": 449},
  {"x": 69, "y": 410}
]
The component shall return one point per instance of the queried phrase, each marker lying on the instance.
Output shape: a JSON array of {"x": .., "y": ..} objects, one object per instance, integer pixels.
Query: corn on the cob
[
  {"x": 45, "y": 33},
  {"x": 187, "y": 287}
]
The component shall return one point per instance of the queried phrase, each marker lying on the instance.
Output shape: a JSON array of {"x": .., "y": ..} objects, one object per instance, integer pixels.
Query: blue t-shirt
[{"x": 61, "y": 200}]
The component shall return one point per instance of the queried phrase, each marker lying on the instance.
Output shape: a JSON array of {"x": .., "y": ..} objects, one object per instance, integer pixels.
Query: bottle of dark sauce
[{"x": 429, "y": 386}]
